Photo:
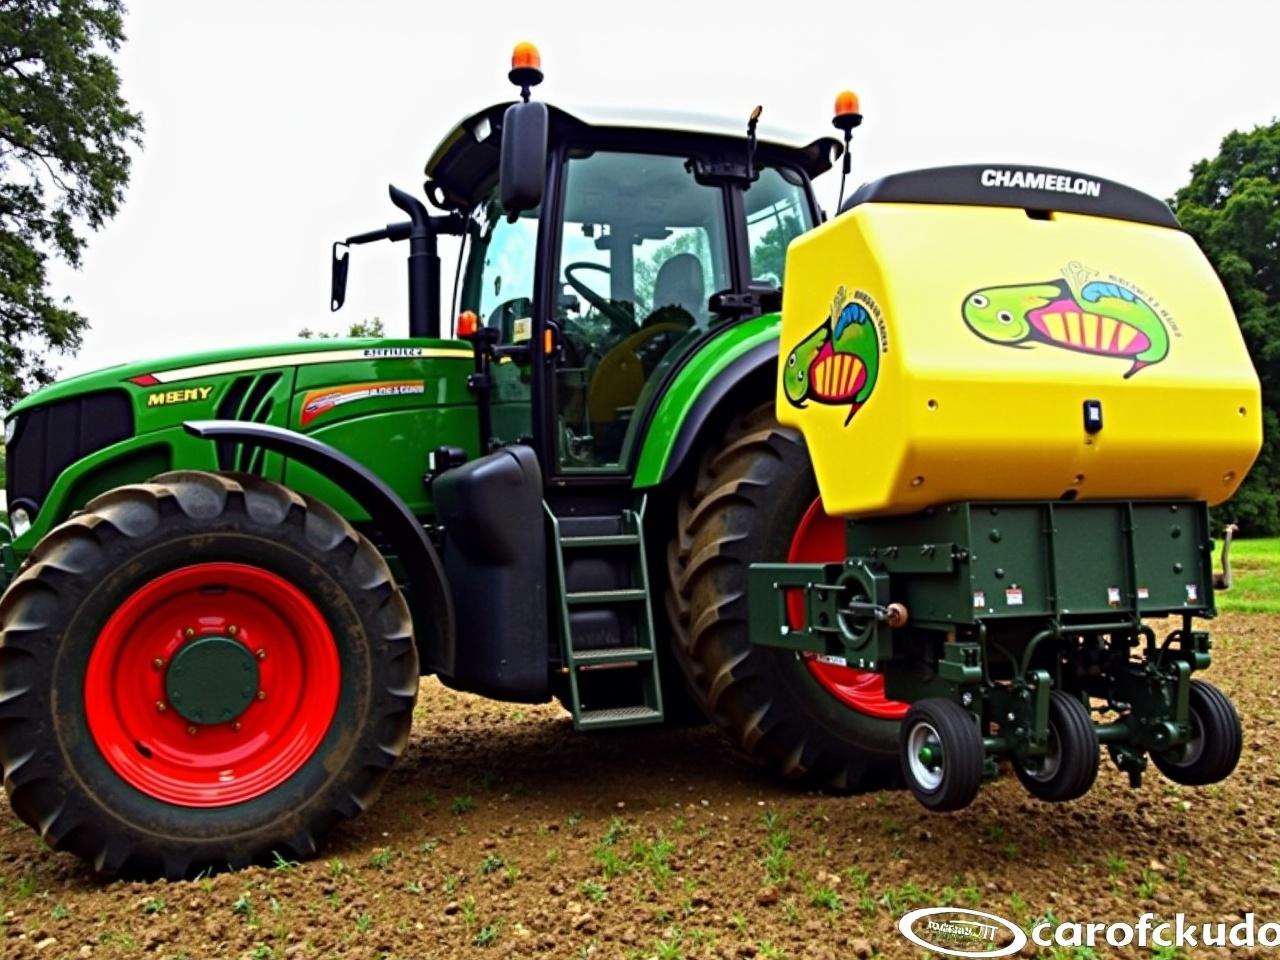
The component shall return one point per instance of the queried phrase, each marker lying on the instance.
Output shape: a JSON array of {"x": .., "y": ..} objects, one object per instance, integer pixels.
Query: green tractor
[{"x": 226, "y": 572}]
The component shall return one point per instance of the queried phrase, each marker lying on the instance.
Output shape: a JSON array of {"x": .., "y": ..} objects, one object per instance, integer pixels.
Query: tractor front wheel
[
  {"x": 201, "y": 671},
  {"x": 753, "y": 500}
]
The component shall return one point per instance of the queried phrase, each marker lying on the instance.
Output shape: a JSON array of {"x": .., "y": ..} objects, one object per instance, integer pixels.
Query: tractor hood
[
  {"x": 367, "y": 397},
  {"x": 184, "y": 369}
]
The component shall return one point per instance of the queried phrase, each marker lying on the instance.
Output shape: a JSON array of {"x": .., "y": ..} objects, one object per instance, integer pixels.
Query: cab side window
[
  {"x": 777, "y": 212},
  {"x": 643, "y": 248}
]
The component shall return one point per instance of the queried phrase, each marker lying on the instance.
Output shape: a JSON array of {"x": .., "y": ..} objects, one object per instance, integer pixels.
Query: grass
[
  {"x": 1256, "y": 573},
  {"x": 777, "y": 861},
  {"x": 826, "y": 898}
]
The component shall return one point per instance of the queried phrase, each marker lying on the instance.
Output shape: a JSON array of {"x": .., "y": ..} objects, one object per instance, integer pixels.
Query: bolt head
[
  {"x": 191, "y": 730},
  {"x": 261, "y": 654},
  {"x": 233, "y": 630},
  {"x": 235, "y": 725},
  {"x": 160, "y": 707},
  {"x": 262, "y": 694},
  {"x": 189, "y": 632},
  {"x": 157, "y": 663}
]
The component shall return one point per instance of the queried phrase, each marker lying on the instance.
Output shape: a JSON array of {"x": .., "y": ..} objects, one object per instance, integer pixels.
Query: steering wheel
[{"x": 621, "y": 320}]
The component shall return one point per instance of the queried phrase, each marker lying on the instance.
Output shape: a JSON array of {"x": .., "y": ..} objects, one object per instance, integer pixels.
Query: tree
[
  {"x": 65, "y": 134},
  {"x": 1232, "y": 208},
  {"x": 359, "y": 328},
  {"x": 769, "y": 254}
]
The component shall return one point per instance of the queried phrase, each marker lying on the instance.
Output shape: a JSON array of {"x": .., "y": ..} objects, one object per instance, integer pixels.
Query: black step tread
[
  {"x": 612, "y": 655},
  {"x": 611, "y": 540},
  {"x": 585, "y": 597},
  {"x": 601, "y": 525},
  {"x": 619, "y": 715}
]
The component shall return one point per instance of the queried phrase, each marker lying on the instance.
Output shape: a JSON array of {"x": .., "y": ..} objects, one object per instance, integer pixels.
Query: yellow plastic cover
[{"x": 933, "y": 353}]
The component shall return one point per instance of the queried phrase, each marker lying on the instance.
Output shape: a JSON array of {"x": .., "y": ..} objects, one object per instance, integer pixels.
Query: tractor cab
[{"x": 639, "y": 237}]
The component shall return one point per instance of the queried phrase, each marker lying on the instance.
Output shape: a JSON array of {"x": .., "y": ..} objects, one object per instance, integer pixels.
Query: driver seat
[
  {"x": 679, "y": 295},
  {"x": 680, "y": 284}
]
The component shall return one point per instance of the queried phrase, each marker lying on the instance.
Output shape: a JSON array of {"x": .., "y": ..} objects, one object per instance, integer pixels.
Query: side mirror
[
  {"x": 338, "y": 275},
  {"x": 524, "y": 157}
]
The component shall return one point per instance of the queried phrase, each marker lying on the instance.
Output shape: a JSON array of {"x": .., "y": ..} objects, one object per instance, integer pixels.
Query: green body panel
[
  {"x": 8, "y": 560},
  {"x": 419, "y": 402},
  {"x": 711, "y": 359},
  {"x": 1070, "y": 561}
]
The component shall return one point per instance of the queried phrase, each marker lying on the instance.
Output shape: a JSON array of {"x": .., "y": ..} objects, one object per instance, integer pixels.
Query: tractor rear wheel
[
  {"x": 752, "y": 500},
  {"x": 199, "y": 672}
]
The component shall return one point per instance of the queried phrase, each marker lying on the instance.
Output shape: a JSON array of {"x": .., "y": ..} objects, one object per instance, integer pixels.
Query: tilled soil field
[{"x": 503, "y": 832}]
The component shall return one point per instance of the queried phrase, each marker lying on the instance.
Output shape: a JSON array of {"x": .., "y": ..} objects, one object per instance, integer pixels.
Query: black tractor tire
[
  {"x": 953, "y": 782},
  {"x": 1071, "y": 765},
  {"x": 52, "y": 616},
  {"x": 1216, "y": 740},
  {"x": 742, "y": 506}
]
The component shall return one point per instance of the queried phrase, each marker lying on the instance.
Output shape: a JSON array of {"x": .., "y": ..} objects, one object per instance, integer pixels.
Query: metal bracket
[{"x": 847, "y": 612}]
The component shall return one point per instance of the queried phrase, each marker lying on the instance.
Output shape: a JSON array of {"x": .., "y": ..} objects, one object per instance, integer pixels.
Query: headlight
[
  {"x": 20, "y": 521},
  {"x": 10, "y": 426}
]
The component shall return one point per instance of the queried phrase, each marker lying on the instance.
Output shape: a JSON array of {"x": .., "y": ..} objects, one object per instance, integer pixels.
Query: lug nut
[
  {"x": 233, "y": 630},
  {"x": 160, "y": 707},
  {"x": 261, "y": 654},
  {"x": 191, "y": 730},
  {"x": 235, "y": 725},
  {"x": 189, "y": 632},
  {"x": 262, "y": 694},
  {"x": 157, "y": 663}
]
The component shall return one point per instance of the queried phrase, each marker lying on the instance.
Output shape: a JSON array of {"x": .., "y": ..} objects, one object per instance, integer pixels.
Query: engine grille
[
  {"x": 248, "y": 398},
  {"x": 47, "y": 439}
]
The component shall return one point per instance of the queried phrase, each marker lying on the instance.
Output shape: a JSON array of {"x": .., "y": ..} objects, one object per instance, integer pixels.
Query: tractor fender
[
  {"x": 428, "y": 592},
  {"x": 692, "y": 398}
]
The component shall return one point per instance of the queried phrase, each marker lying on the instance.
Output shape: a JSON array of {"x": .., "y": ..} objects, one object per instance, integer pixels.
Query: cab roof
[{"x": 465, "y": 163}]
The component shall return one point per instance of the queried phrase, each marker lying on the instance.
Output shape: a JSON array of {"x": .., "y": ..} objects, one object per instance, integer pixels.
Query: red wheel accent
[
  {"x": 218, "y": 765},
  {"x": 819, "y": 538}
]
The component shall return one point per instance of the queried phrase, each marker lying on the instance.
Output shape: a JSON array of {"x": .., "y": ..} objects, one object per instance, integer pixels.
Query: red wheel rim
[
  {"x": 820, "y": 539},
  {"x": 151, "y": 746}
]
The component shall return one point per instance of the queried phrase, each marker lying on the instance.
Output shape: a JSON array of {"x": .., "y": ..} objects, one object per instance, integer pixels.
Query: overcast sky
[{"x": 274, "y": 127}]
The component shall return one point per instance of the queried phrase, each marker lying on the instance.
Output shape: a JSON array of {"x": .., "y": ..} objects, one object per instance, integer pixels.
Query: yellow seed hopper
[{"x": 975, "y": 333}]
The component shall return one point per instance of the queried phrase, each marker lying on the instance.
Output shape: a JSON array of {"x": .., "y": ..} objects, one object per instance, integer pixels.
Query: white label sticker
[
  {"x": 1193, "y": 593},
  {"x": 1113, "y": 596},
  {"x": 1013, "y": 596},
  {"x": 521, "y": 330},
  {"x": 979, "y": 600},
  {"x": 834, "y": 661},
  {"x": 1144, "y": 593}
]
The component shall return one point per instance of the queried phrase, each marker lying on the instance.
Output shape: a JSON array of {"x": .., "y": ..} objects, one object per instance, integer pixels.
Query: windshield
[{"x": 497, "y": 282}]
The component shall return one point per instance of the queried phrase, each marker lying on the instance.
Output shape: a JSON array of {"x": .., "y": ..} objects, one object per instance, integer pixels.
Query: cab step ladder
[{"x": 606, "y": 620}]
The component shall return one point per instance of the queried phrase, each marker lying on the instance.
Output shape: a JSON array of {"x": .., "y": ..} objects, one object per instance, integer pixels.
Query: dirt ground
[{"x": 505, "y": 833}]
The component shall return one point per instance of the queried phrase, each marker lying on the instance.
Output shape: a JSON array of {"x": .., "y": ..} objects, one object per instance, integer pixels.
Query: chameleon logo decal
[
  {"x": 1077, "y": 313},
  {"x": 839, "y": 362}
]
